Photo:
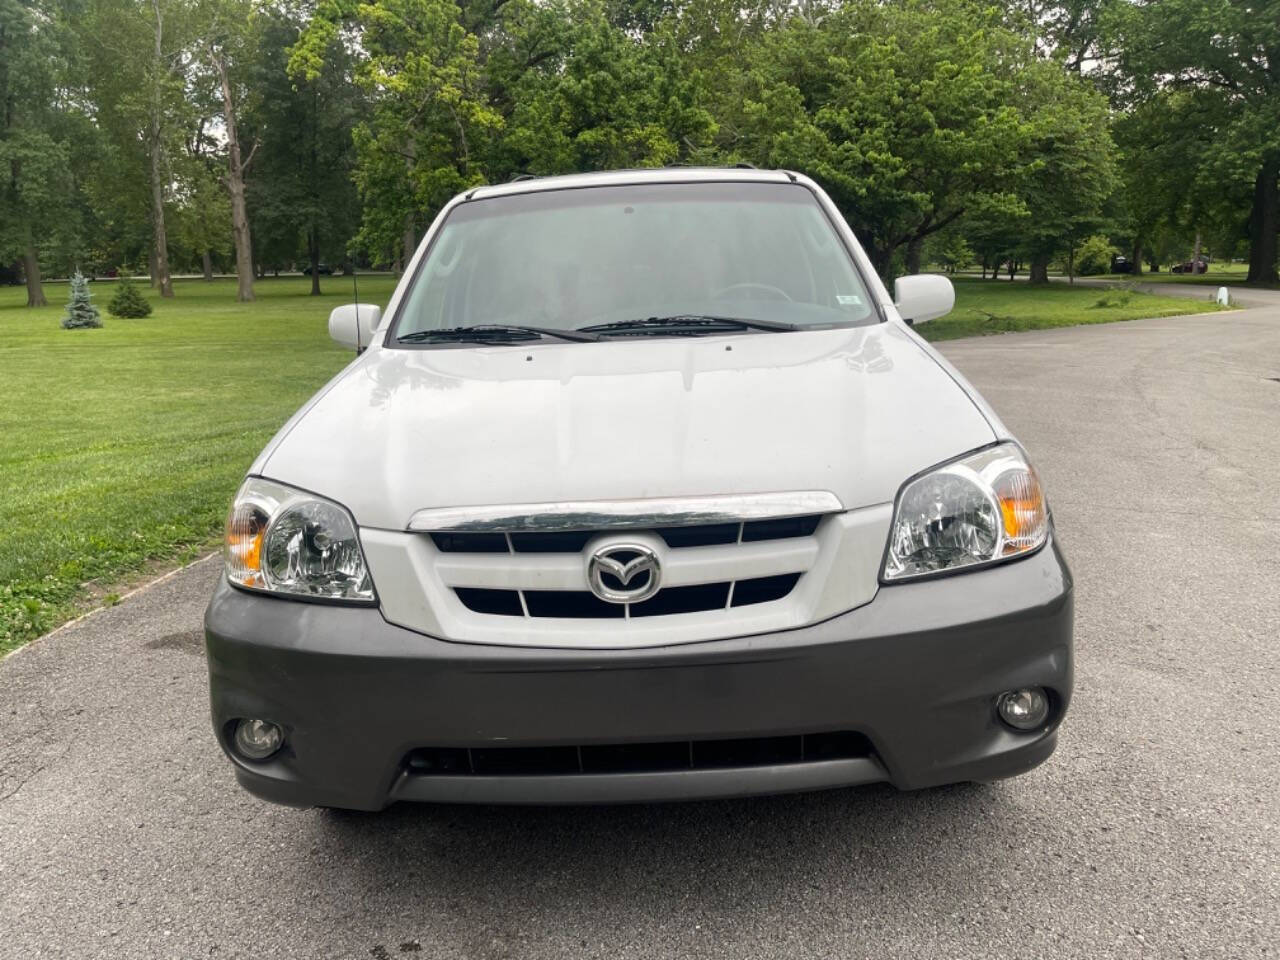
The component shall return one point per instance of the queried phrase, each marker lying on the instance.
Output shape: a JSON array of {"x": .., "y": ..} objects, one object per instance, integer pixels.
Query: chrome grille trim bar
[{"x": 624, "y": 514}]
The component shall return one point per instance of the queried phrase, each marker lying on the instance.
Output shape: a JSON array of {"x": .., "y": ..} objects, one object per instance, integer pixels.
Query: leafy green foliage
[
  {"x": 38, "y": 213},
  {"x": 430, "y": 116},
  {"x": 302, "y": 201},
  {"x": 1201, "y": 76},
  {"x": 903, "y": 111},
  {"x": 81, "y": 312},
  {"x": 128, "y": 301},
  {"x": 1094, "y": 256}
]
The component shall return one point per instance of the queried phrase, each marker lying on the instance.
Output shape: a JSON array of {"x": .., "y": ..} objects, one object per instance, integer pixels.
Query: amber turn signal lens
[
  {"x": 247, "y": 549},
  {"x": 1022, "y": 510},
  {"x": 242, "y": 546}
]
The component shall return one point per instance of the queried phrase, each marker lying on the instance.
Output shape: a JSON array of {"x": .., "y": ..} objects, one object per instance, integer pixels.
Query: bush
[
  {"x": 80, "y": 310},
  {"x": 129, "y": 301},
  {"x": 1095, "y": 256}
]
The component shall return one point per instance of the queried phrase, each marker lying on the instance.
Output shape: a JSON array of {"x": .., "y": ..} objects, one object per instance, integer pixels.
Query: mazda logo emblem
[{"x": 624, "y": 572}]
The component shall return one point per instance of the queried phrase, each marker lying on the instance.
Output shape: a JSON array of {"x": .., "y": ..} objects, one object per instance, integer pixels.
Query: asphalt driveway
[{"x": 1154, "y": 831}]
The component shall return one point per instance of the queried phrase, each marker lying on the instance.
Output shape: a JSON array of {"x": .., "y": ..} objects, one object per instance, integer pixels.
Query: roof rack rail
[
  {"x": 521, "y": 177},
  {"x": 743, "y": 165}
]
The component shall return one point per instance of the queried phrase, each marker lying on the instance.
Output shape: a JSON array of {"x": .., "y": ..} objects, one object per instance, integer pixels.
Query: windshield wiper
[
  {"x": 687, "y": 324},
  {"x": 493, "y": 333}
]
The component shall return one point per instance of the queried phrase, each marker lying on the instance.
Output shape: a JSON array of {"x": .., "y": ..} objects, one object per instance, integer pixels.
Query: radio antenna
[{"x": 355, "y": 292}]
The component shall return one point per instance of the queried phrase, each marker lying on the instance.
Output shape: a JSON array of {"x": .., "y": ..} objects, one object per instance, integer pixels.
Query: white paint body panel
[{"x": 853, "y": 411}]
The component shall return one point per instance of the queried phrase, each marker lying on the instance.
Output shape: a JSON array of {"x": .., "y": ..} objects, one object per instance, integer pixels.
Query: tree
[
  {"x": 301, "y": 196},
  {"x": 128, "y": 301},
  {"x": 133, "y": 62},
  {"x": 228, "y": 43},
  {"x": 605, "y": 100},
  {"x": 36, "y": 185},
  {"x": 80, "y": 309},
  {"x": 1211, "y": 65},
  {"x": 1070, "y": 170},
  {"x": 425, "y": 132},
  {"x": 904, "y": 111}
]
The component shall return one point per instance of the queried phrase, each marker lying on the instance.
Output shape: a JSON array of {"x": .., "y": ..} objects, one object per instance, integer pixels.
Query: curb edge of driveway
[{"x": 123, "y": 597}]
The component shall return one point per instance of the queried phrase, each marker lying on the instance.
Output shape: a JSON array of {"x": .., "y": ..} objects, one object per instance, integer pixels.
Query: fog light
[
  {"x": 1024, "y": 709},
  {"x": 257, "y": 739}
]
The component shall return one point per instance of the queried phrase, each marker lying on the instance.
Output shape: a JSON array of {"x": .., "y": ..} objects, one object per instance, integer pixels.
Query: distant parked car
[
  {"x": 1121, "y": 264},
  {"x": 1191, "y": 266},
  {"x": 321, "y": 268}
]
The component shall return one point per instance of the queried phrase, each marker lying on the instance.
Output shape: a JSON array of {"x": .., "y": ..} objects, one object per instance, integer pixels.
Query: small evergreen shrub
[
  {"x": 128, "y": 301},
  {"x": 80, "y": 309}
]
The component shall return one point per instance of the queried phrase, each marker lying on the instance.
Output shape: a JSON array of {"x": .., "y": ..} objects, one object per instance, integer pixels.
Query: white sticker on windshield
[{"x": 848, "y": 299}]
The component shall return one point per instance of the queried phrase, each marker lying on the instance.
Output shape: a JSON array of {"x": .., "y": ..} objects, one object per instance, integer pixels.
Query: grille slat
[
  {"x": 578, "y": 759},
  {"x": 573, "y": 541},
  {"x": 582, "y": 604}
]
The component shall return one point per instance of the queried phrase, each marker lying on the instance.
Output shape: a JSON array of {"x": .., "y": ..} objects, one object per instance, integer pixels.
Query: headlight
[
  {"x": 282, "y": 540},
  {"x": 985, "y": 507}
]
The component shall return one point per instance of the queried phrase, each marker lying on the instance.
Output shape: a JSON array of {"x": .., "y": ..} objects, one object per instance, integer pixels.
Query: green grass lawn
[
  {"x": 1218, "y": 275},
  {"x": 998, "y": 306},
  {"x": 122, "y": 446}
]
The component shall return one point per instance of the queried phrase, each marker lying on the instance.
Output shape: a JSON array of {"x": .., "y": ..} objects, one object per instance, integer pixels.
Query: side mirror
[
  {"x": 923, "y": 297},
  {"x": 353, "y": 324}
]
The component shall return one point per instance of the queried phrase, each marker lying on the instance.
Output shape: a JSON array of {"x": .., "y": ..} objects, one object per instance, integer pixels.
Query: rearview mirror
[
  {"x": 923, "y": 297},
  {"x": 353, "y": 324}
]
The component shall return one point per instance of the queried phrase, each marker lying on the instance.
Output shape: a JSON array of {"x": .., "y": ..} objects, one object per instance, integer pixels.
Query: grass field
[
  {"x": 122, "y": 446},
  {"x": 998, "y": 306}
]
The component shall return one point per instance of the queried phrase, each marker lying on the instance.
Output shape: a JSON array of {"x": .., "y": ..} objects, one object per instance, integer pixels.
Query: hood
[{"x": 853, "y": 411}]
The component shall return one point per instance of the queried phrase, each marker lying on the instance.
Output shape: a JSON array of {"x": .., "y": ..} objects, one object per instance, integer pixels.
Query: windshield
[{"x": 575, "y": 258}]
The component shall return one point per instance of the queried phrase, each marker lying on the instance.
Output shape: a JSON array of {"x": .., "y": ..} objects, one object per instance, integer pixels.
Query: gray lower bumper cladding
[{"x": 914, "y": 674}]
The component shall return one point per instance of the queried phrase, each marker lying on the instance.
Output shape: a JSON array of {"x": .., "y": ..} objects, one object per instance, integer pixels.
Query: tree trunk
[
  {"x": 410, "y": 243},
  {"x": 882, "y": 260},
  {"x": 235, "y": 187},
  {"x": 313, "y": 254},
  {"x": 160, "y": 240},
  {"x": 1137, "y": 256},
  {"x": 1039, "y": 269},
  {"x": 1071, "y": 263},
  {"x": 31, "y": 268},
  {"x": 1012, "y": 268},
  {"x": 207, "y": 263},
  {"x": 915, "y": 251},
  {"x": 160, "y": 259},
  {"x": 1264, "y": 221},
  {"x": 1195, "y": 257}
]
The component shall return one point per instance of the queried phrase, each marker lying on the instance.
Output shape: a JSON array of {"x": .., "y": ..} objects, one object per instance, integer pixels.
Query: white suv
[{"x": 641, "y": 488}]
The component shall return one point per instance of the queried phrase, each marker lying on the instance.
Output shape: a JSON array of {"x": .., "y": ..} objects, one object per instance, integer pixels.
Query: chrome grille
[{"x": 717, "y": 593}]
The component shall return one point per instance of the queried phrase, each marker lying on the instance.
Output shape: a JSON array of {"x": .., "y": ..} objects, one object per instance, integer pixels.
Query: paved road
[{"x": 1154, "y": 832}]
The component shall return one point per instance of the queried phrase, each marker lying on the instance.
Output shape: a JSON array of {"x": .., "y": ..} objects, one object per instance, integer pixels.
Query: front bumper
[{"x": 915, "y": 671}]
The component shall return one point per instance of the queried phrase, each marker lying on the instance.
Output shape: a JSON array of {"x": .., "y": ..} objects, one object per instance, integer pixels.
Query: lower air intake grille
[
  {"x": 636, "y": 757},
  {"x": 582, "y": 604}
]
